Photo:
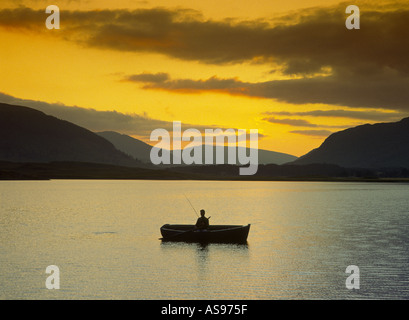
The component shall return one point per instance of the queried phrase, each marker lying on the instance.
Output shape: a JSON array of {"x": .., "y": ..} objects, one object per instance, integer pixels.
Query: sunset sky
[{"x": 290, "y": 68}]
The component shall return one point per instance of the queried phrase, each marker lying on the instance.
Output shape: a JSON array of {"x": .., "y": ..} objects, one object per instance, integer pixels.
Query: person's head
[{"x": 202, "y": 213}]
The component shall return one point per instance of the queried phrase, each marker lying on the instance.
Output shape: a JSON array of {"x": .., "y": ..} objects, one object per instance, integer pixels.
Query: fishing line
[{"x": 191, "y": 205}]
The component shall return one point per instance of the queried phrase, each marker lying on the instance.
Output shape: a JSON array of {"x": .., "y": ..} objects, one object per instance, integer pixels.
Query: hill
[
  {"x": 28, "y": 135},
  {"x": 131, "y": 146},
  {"x": 141, "y": 150},
  {"x": 381, "y": 145}
]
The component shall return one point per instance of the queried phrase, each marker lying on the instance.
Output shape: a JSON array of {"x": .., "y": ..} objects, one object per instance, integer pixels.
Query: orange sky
[{"x": 191, "y": 84}]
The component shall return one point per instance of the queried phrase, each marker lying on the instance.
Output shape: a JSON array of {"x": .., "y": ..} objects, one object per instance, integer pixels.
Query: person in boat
[{"x": 202, "y": 222}]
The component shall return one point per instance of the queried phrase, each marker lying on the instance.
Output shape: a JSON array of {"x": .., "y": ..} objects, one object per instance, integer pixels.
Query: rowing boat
[{"x": 214, "y": 233}]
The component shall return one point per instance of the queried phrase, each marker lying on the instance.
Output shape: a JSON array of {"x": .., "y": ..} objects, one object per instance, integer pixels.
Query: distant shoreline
[
  {"x": 13, "y": 171},
  {"x": 383, "y": 180}
]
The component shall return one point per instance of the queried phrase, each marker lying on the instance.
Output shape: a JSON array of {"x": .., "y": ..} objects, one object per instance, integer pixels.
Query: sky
[{"x": 290, "y": 69}]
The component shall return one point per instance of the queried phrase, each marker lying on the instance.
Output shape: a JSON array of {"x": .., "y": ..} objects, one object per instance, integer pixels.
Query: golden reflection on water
[{"x": 103, "y": 235}]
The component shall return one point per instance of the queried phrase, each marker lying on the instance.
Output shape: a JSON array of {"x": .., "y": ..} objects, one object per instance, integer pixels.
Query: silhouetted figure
[{"x": 202, "y": 222}]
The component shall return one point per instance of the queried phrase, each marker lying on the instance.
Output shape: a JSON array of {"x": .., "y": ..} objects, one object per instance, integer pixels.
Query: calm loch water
[{"x": 103, "y": 236}]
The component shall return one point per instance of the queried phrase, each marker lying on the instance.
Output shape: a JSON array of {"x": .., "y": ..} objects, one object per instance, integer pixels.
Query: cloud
[
  {"x": 301, "y": 123},
  {"x": 389, "y": 91},
  {"x": 386, "y": 91},
  {"x": 364, "y": 68},
  {"x": 373, "y": 115},
  {"x": 148, "y": 77},
  {"x": 291, "y": 122},
  {"x": 314, "y": 133},
  {"x": 162, "y": 81},
  {"x": 304, "y": 41}
]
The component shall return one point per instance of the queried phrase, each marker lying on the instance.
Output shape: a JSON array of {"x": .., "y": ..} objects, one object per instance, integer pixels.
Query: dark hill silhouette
[
  {"x": 264, "y": 156},
  {"x": 131, "y": 146},
  {"x": 28, "y": 135},
  {"x": 292, "y": 172},
  {"x": 141, "y": 150},
  {"x": 381, "y": 145}
]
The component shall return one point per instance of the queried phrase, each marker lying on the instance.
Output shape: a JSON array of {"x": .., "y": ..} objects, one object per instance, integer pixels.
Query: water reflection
[
  {"x": 198, "y": 247},
  {"x": 207, "y": 257},
  {"x": 104, "y": 237}
]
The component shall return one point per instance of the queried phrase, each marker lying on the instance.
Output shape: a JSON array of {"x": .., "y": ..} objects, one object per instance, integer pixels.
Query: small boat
[{"x": 214, "y": 233}]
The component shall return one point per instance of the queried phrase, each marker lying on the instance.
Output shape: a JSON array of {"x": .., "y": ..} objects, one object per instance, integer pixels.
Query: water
[{"x": 103, "y": 236}]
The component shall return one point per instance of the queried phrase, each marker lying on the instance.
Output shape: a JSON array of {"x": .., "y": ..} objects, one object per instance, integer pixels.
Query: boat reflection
[{"x": 205, "y": 253}]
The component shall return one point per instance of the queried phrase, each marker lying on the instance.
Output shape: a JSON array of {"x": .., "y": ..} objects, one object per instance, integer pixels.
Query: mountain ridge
[
  {"x": 378, "y": 145},
  {"x": 29, "y": 135},
  {"x": 141, "y": 150}
]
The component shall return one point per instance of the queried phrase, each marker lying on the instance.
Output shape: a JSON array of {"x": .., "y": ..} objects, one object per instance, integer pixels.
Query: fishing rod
[{"x": 191, "y": 205}]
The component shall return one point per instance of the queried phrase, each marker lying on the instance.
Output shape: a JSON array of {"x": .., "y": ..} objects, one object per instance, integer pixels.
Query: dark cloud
[
  {"x": 301, "y": 123},
  {"x": 364, "y": 68},
  {"x": 317, "y": 39},
  {"x": 149, "y": 77},
  {"x": 388, "y": 91},
  {"x": 310, "y": 40},
  {"x": 162, "y": 81},
  {"x": 368, "y": 67},
  {"x": 372, "y": 115},
  {"x": 291, "y": 122},
  {"x": 314, "y": 133}
]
